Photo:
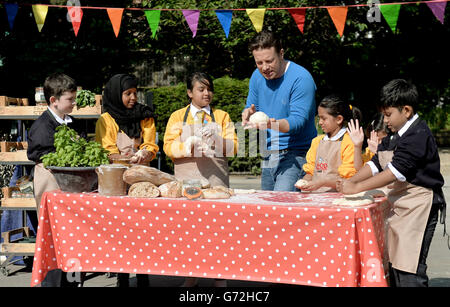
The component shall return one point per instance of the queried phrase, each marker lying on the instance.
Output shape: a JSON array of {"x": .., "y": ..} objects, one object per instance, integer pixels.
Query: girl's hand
[
  {"x": 373, "y": 142},
  {"x": 312, "y": 186},
  {"x": 356, "y": 133},
  {"x": 142, "y": 156}
]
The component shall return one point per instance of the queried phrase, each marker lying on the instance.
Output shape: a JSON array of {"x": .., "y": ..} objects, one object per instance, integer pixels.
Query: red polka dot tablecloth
[{"x": 279, "y": 237}]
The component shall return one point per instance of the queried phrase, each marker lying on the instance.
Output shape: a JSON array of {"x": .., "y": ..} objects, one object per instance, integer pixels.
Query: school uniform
[
  {"x": 186, "y": 165},
  {"x": 331, "y": 156},
  {"x": 416, "y": 197}
]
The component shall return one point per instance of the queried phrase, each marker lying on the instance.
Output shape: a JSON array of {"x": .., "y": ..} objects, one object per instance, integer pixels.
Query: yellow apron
[
  {"x": 214, "y": 169},
  {"x": 328, "y": 160},
  {"x": 411, "y": 207}
]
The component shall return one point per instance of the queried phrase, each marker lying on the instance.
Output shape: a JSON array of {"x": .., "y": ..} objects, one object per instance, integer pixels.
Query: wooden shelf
[
  {"x": 15, "y": 157},
  {"x": 17, "y": 248},
  {"x": 33, "y": 112},
  {"x": 16, "y": 203}
]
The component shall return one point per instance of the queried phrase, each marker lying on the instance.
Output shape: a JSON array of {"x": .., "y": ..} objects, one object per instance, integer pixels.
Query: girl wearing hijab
[{"x": 126, "y": 128}]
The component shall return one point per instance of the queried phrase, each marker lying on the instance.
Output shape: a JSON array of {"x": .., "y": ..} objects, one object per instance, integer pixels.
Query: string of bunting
[{"x": 338, "y": 14}]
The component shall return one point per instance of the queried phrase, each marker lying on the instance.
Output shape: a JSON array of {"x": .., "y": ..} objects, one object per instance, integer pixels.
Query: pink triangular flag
[
  {"x": 192, "y": 17},
  {"x": 75, "y": 14},
  {"x": 339, "y": 15},
  {"x": 299, "y": 17},
  {"x": 115, "y": 15},
  {"x": 438, "y": 9}
]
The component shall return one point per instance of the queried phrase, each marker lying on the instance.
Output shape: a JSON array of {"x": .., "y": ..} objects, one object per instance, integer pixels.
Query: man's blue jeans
[{"x": 280, "y": 171}]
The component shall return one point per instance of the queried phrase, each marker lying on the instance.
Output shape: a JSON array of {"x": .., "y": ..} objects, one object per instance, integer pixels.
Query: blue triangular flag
[
  {"x": 225, "y": 17},
  {"x": 11, "y": 11}
]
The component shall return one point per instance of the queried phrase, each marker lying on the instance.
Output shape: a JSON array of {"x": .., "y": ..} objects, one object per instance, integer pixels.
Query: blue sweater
[{"x": 292, "y": 97}]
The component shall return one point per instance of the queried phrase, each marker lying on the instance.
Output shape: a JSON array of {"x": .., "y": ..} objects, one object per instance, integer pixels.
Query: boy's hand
[
  {"x": 347, "y": 187},
  {"x": 356, "y": 133}
]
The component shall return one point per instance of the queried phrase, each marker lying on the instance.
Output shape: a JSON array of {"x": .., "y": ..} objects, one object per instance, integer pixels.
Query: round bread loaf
[
  {"x": 143, "y": 189},
  {"x": 259, "y": 118},
  {"x": 171, "y": 189}
]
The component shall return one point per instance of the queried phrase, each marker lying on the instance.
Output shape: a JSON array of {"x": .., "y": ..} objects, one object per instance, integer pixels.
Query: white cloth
[{"x": 64, "y": 121}]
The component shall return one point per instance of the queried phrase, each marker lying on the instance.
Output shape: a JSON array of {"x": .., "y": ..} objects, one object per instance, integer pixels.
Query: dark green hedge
[{"x": 229, "y": 95}]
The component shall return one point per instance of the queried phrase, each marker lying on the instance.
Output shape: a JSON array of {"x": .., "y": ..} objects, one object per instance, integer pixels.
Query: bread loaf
[
  {"x": 143, "y": 189},
  {"x": 171, "y": 189},
  {"x": 215, "y": 193},
  {"x": 142, "y": 173}
]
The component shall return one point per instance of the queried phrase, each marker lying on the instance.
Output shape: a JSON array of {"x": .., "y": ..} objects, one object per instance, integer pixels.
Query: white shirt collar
[
  {"x": 407, "y": 124},
  {"x": 66, "y": 120},
  {"x": 337, "y": 136},
  {"x": 194, "y": 110}
]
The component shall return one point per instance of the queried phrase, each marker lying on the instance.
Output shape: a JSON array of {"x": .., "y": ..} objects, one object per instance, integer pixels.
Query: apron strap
[{"x": 187, "y": 113}]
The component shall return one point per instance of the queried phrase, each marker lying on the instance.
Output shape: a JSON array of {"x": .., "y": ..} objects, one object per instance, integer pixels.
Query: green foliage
[
  {"x": 74, "y": 151},
  {"x": 85, "y": 98}
]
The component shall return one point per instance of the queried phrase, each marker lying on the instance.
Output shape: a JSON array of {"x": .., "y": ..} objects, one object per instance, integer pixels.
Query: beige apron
[
  {"x": 43, "y": 181},
  {"x": 215, "y": 169},
  {"x": 411, "y": 207},
  {"x": 127, "y": 146},
  {"x": 328, "y": 159}
]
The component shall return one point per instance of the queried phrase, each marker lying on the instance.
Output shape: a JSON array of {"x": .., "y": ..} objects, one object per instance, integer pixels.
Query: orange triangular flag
[
  {"x": 299, "y": 17},
  {"x": 339, "y": 15},
  {"x": 115, "y": 15},
  {"x": 75, "y": 14}
]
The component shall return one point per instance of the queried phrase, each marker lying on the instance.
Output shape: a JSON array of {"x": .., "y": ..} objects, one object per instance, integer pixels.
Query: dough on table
[
  {"x": 259, "y": 118},
  {"x": 301, "y": 183},
  {"x": 244, "y": 191},
  {"x": 358, "y": 199}
]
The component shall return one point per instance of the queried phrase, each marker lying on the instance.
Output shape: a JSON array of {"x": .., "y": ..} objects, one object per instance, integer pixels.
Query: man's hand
[{"x": 246, "y": 114}]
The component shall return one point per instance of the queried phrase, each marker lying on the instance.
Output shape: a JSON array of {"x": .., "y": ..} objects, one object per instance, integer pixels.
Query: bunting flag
[
  {"x": 390, "y": 13},
  {"x": 299, "y": 17},
  {"x": 115, "y": 15},
  {"x": 40, "y": 13},
  {"x": 338, "y": 15},
  {"x": 225, "y": 17},
  {"x": 11, "y": 11},
  {"x": 75, "y": 14},
  {"x": 438, "y": 9},
  {"x": 192, "y": 17},
  {"x": 257, "y": 18},
  {"x": 153, "y": 18}
]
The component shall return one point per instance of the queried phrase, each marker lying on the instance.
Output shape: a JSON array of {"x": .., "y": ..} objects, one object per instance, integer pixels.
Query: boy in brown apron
[
  {"x": 408, "y": 162},
  {"x": 60, "y": 93}
]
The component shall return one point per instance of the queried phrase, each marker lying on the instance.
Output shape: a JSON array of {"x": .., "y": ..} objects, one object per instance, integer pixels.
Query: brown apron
[
  {"x": 127, "y": 146},
  {"x": 328, "y": 160},
  {"x": 411, "y": 207},
  {"x": 215, "y": 169},
  {"x": 43, "y": 181}
]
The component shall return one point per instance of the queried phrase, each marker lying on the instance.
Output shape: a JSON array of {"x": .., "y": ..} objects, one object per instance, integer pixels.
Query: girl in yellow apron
[
  {"x": 127, "y": 130},
  {"x": 407, "y": 161},
  {"x": 199, "y": 139},
  {"x": 331, "y": 155}
]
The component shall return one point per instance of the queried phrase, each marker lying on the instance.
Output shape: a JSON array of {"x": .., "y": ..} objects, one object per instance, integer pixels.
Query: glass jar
[
  {"x": 191, "y": 183},
  {"x": 39, "y": 96}
]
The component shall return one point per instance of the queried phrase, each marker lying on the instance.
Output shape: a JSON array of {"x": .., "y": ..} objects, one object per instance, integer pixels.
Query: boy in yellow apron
[
  {"x": 408, "y": 160},
  {"x": 331, "y": 155},
  {"x": 60, "y": 92}
]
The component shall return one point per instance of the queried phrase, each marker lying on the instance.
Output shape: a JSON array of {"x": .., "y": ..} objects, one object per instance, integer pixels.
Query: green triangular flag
[
  {"x": 153, "y": 17},
  {"x": 390, "y": 13}
]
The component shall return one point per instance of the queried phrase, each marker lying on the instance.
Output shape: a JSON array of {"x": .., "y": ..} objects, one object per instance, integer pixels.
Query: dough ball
[
  {"x": 301, "y": 183},
  {"x": 259, "y": 118}
]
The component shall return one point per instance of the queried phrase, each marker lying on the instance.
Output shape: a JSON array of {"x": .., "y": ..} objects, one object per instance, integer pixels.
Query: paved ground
[{"x": 438, "y": 258}]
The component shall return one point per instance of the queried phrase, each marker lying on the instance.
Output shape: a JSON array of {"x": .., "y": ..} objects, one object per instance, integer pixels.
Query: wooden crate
[
  {"x": 13, "y": 246},
  {"x": 9, "y": 146},
  {"x": 23, "y": 202},
  {"x": 9, "y": 101},
  {"x": 14, "y": 156}
]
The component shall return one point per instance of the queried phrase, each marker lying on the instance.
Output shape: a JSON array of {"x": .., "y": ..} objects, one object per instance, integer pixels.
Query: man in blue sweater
[{"x": 285, "y": 91}]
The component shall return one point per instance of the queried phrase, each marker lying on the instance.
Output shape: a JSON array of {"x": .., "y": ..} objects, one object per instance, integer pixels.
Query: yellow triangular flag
[
  {"x": 339, "y": 15},
  {"x": 40, "y": 12},
  {"x": 257, "y": 18}
]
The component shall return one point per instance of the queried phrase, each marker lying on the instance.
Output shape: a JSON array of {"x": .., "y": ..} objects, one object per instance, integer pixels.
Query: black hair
[
  {"x": 336, "y": 106},
  {"x": 265, "y": 40},
  {"x": 377, "y": 124},
  {"x": 398, "y": 93},
  {"x": 201, "y": 77},
  {"x": 57, "y": 84}
]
